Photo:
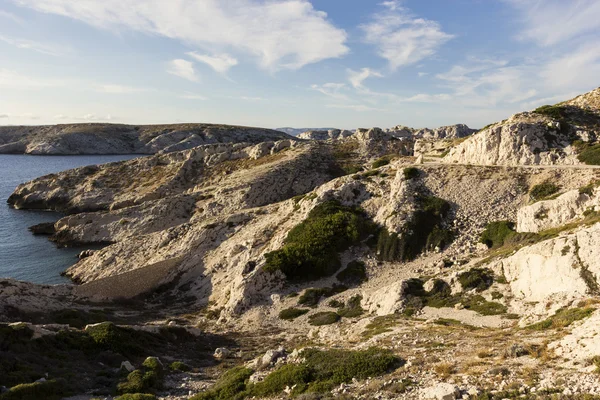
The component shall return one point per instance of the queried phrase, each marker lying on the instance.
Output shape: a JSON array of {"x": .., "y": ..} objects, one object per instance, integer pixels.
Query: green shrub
[
  {"x": 49, "y": 390},
  {"x": 543, "y": 191},
  {"x": 480, "y": 305},
  {"x": 590, "y": 154},
  {"x": 311, "y": 248},
  {"x": 496, "y": 233},
  {"x": 292, "y": 313},
  {"x": 341, "y": 366},
  {"x": 479, "y": 279},
  {"x": 145, "y": 380},
  {"x": 411, "y": 173},
  {"x": 323, "y": 318},
  {"x": 179, "y": 366},
  {"x": 424, "y": 231},
  {"x": 312, "y": 297},
  {"x": 111, "y": 337},
  {"x": 230, "y": 386},
  {"x": 589, "y": 189},
  {"x": 380, "y": 162},
  {"x": 354, "y": 274},
  {"x": 563, "y": 318},
  {"x": 287, "y": 375},
  {"x": 352, "y": 308},
  {"x": 556, "y": 112},
  {"x": 136, "y": 396}
]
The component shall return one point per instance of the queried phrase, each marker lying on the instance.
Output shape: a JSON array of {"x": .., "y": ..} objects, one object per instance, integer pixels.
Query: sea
[{"x": 24, "y": 256}]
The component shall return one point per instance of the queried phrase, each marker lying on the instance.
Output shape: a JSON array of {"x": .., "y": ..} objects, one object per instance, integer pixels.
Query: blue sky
[{"x": 274, "y": 63}]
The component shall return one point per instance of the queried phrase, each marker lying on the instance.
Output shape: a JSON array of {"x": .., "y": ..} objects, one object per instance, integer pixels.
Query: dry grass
[{"x": 444, "y": 370}]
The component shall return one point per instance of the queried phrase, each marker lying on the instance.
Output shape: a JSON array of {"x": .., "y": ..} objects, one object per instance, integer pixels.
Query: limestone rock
[{"x": 441, "y": 391}]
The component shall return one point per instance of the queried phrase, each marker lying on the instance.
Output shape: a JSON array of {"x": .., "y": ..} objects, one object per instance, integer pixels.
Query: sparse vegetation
[
  {"x": 312, "y": 297},
  {"x": 354, "y": 274},
  {"x": 380, "y": 162},
  {"x": 230, "y": 386},
  {"x": 179, "y": 366},
  {"x": 590, "y": 154},
  {"x": 476, "y": 278},
  {"x": 311, "y": 248},
  {"x": 552, "y": 111},
  {"x": 352, "y": 308},
  {"x": 324, "y": 318},
  {"x": 292, "y": 313},
  {"x": 411, "y": 173},
  {"x": 543, "y": 191},
  {"x": 563, "y": 318},
  {"x": 49, "y": 390}
]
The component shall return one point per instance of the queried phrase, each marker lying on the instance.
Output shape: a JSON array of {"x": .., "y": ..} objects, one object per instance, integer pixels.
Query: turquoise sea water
[{"x": 24, "y": 256}]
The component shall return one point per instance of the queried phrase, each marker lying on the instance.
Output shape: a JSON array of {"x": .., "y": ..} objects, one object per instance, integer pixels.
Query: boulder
[{"x": 441, "y": 391}]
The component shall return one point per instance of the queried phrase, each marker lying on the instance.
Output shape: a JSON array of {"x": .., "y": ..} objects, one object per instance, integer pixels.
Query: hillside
[
  {"x": 123, "y": 139},
  {"x": 339, "y": 267}
]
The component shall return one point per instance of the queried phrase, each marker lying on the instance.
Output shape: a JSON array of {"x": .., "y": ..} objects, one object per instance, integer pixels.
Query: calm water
[{"x": 24, "y": 256}]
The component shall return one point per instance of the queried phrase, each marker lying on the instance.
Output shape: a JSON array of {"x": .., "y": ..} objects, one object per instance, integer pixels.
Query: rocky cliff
[
  {"x": 124, "y": 139},
  {"x": 550, "y": 135}
]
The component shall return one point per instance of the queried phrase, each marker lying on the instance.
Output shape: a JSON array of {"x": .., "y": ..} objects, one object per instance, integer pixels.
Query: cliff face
[
  {"x": 550, "y": 135},
  {"x": 124, "y": 139}
]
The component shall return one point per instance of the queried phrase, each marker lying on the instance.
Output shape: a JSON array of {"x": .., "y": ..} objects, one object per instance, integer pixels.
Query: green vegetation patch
[
  {"x": 380, "y": 162},
  {"x": 552, "y": 111},
  {"x": 312, "y": 297},
  {"x": 354, "y": 274},
  {"x": 496, "y": 233},
  {"x": 589, "y": 154},
  {"x": 352, "y": 308},
  {"x": 543, "y": 191},
  {"x": 425, "y": 231},
  {"x": 311, "y": 249},
  {"x": 292, "y": 313},
  {"x": 49, "y": 390},
  {"x": 324, "y": 318},
  {"x": 320, "y": 372},
  {"x": 148, "y": 379},
  {"x": 136, "y": 396},
  {"x": 230, "y": 386},
  {"x": 179, "y": 366},
  {"x": 563, "y": 318},
  {"x": 479, "y": 279},
  {"x": 411, "y": 173}
]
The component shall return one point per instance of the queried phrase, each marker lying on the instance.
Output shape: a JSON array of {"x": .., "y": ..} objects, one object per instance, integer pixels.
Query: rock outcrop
[{"x": 125, "y": 139}]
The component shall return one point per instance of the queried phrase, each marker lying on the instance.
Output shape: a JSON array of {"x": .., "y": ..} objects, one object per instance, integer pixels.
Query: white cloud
[
  {"x": 183, "y": 69},
  {"x": 4, "y": 116},
  {"x": 392, "y": 4},
  {"x": 118, "y": 89},
  {"x": 60, "y": 116},
  {"x": 13, "y": 79},
  {"x": 356, "y": 78},
  {"x": 279, "y": 34},
  {"x": 43, "y": 48},
  {"x": 219, "y": 62},
  {"x": 401, "y": 38},
  {"x": 192, "y": 96},
  {"x": 331, "y": 89},
  {"x": 422, "y": 74},
  {"x": 92, "y": 117},
  {"x": 551, "y": 22}
]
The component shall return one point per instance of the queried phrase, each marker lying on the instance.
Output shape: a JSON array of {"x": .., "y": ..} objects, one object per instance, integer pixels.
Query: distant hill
[{"x": 297, "y": 131}]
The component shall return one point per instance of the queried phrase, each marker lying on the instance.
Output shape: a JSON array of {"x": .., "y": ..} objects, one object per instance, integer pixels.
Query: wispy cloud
[
  {"x": 11, "y": 16},
  {"x": 4, "y": 116},
  {"x": 279, "y": 34},
  {"x": 331, "y": 89},
  {"x": 402, "y": 38},
  {"x": 550, "y": 22},
  {"x": 44, "y": 48},
  {"x": 354, "y": 107},
  {"x": 357, "y": 78},
  {"x": 183, "y": 69},
  {"x": 219, "y": 62},
  {"x": 13, "y": 79}
]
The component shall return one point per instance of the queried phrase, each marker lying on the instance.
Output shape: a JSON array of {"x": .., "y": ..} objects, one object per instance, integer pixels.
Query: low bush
[
  {"x": 48, "y": 390},
  {"x": 479, "y": 279},
  {"x": 590, "y": 154},
  {"x": 149, "y": 379},
  {"x": 136, "y": 396},
  {"x": 292, "y": 313},
  {"x": 312, "y": 297},
  {"x": 290, "y": 375},
  {"x": 496, "y": 233},
  {"x": 556, "y": 112},
  {"x": 311, "y": 249},
  {"x": 562, "y": 318},
  {"x": 380, "y": 162},
  {"x": 324, "y": 318},
  {"x": 411, "y": 173},
  {"x": 352, "y": 308},
  {"x": 354, "y": 274},
  {"x": 179, "y": 366},
  {"x": 230, "y": 386},
  {"x": 543, "y": 191}
]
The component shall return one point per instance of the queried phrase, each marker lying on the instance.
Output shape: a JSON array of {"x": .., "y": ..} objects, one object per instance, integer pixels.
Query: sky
[{"x": 299, "y": 63}]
